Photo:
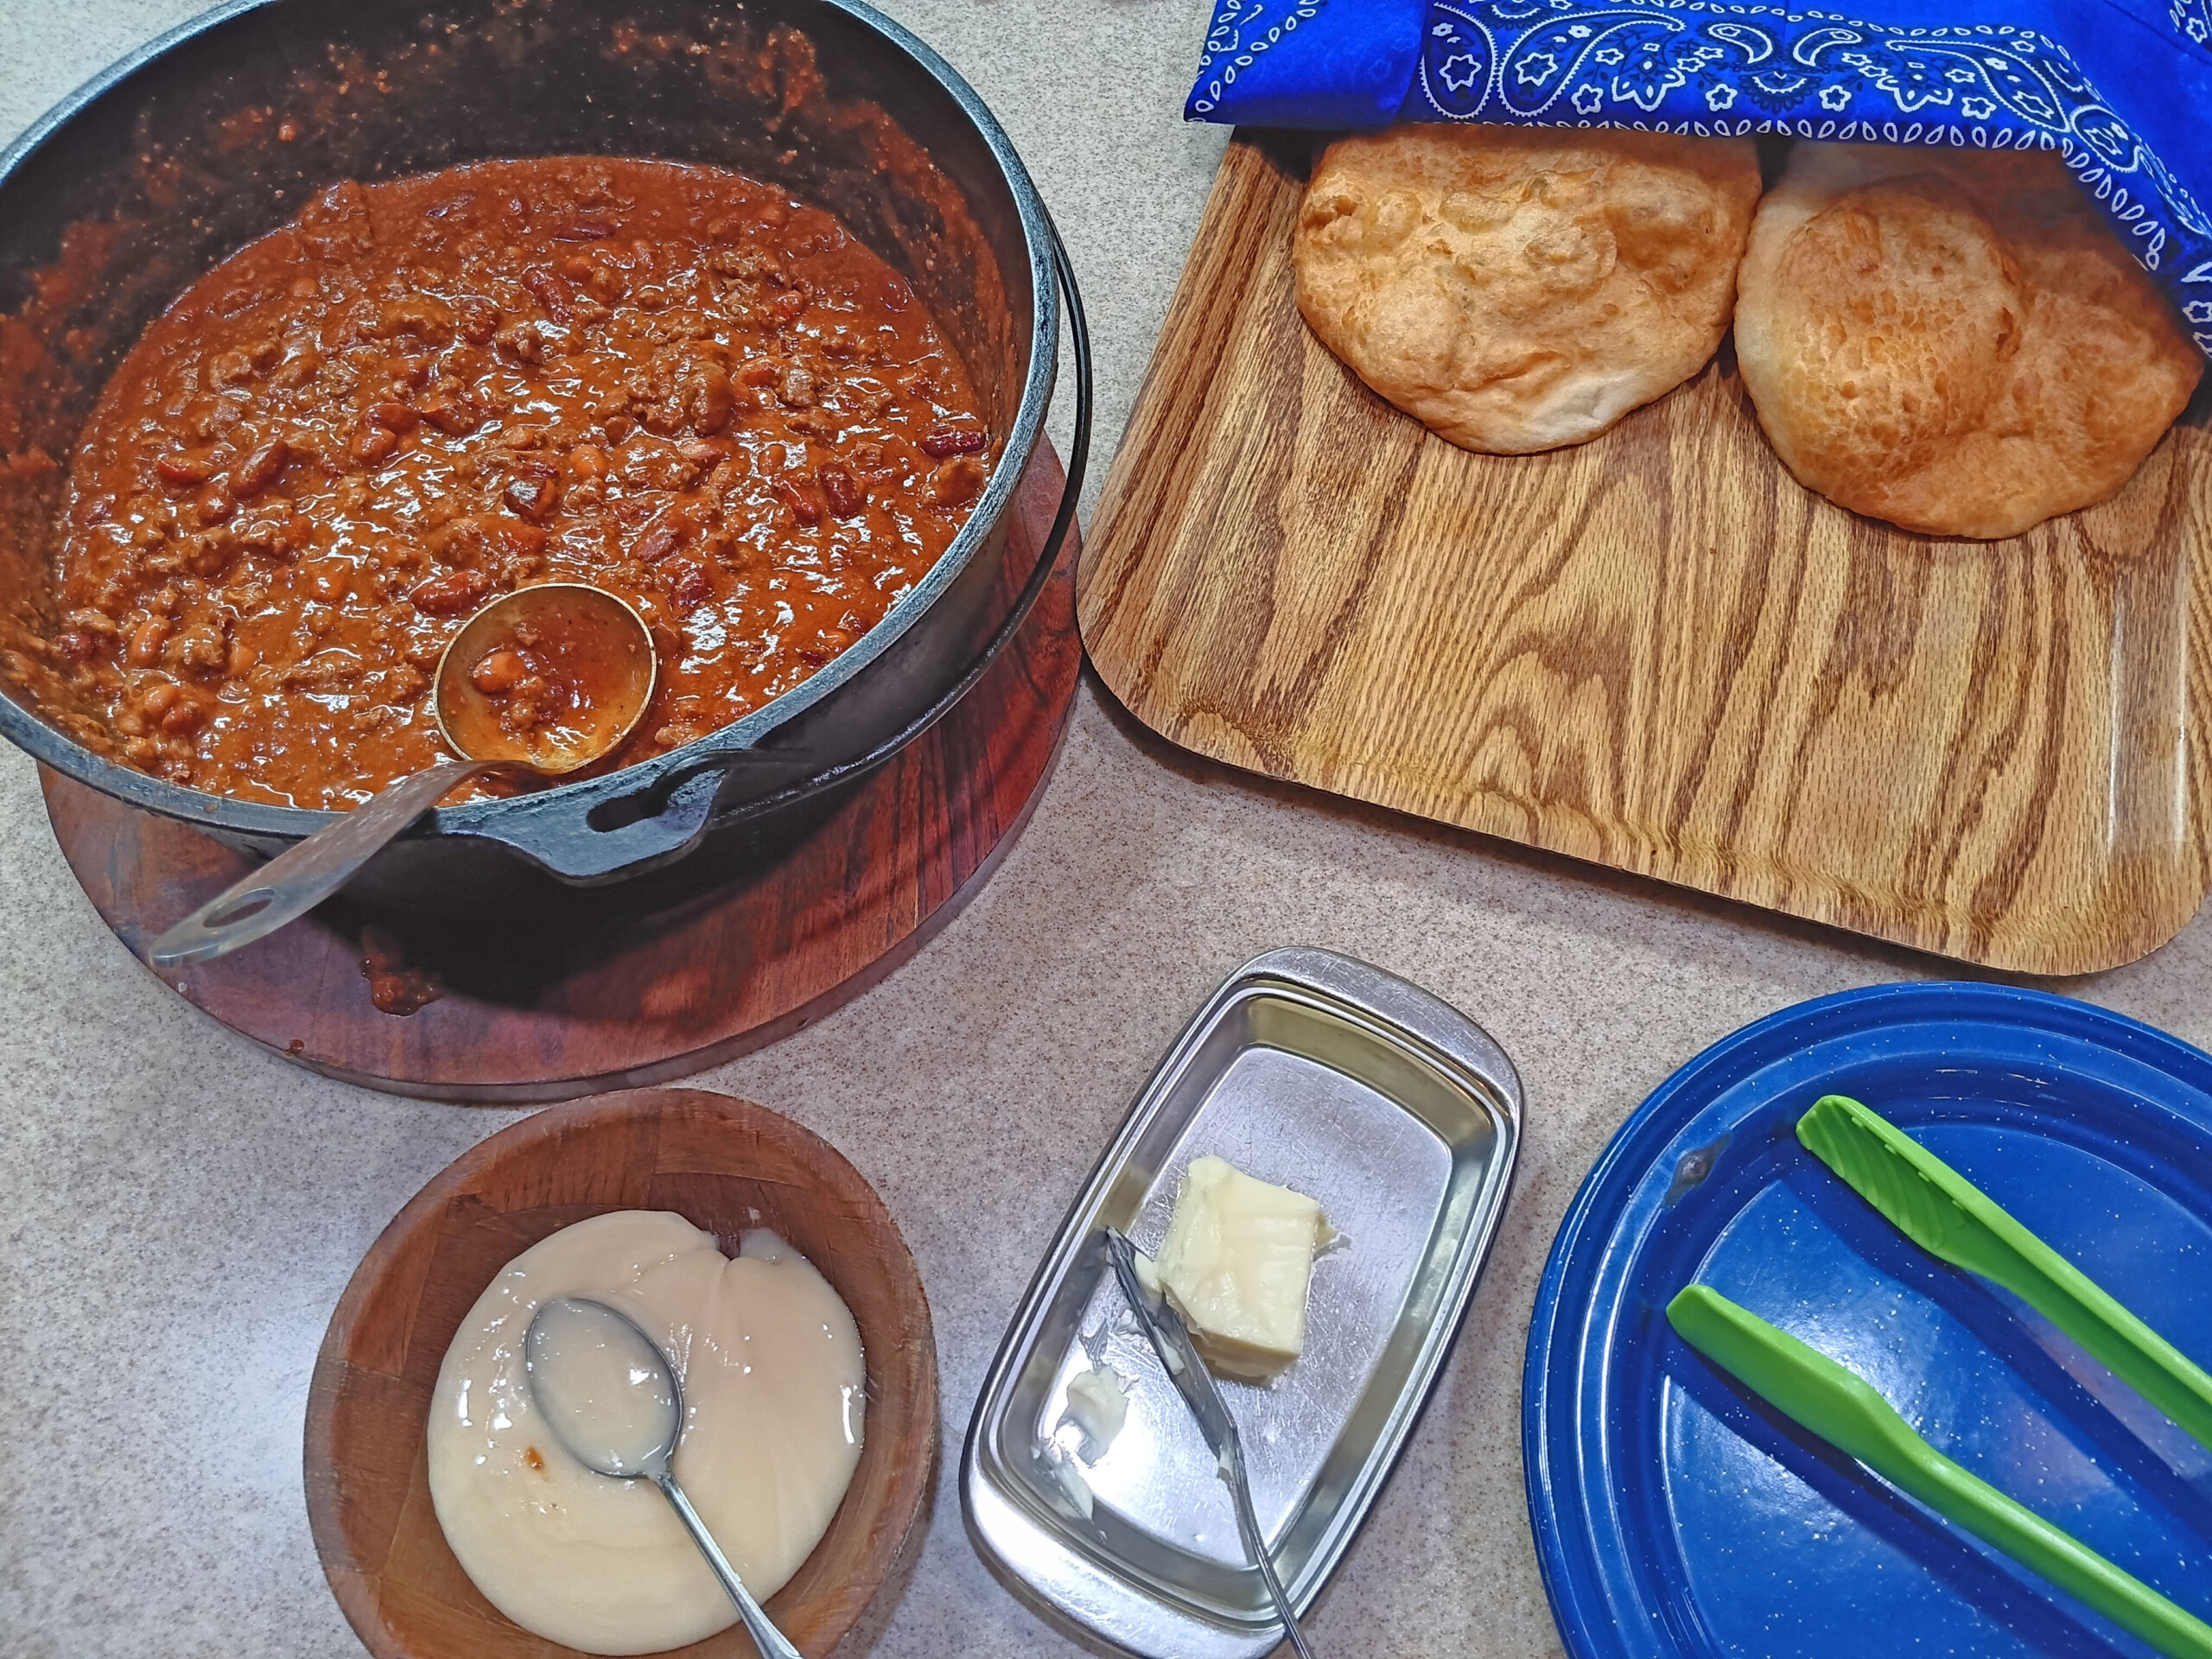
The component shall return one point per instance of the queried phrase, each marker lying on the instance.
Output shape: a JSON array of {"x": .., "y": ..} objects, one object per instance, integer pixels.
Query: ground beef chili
[{"x": 671, "y": 381}]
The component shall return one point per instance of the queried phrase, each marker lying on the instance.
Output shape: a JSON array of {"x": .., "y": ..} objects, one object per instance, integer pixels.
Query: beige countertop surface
[{"x": 181, "y": 1209}]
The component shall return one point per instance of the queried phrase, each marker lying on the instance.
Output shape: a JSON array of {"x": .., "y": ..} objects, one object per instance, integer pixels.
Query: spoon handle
[
  {"x": 765, "y": 1636},
  {"x": 299, "y": 879}
]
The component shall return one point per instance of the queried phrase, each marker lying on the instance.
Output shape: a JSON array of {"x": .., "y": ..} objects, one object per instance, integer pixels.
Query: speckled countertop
[{"x": 181, "y": 1209}]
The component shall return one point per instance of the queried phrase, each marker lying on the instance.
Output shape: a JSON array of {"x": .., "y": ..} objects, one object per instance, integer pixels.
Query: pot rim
[{"x": 50, "y": 747}]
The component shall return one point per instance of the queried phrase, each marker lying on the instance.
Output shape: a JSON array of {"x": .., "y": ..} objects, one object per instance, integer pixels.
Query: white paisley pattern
[
  {"x": 1242, "y": 30},
  {"x": 1710, "y": 68}
]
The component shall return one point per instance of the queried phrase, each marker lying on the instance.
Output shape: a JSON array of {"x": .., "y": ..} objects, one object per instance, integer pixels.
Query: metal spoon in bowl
[
  {"x": 606, "y": 1390},
  {"x": 598, "y": 665}
]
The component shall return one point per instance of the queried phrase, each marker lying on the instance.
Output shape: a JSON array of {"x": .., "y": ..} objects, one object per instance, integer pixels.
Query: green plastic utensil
[
  {"x": 1815, "y": 1392},
  {"x": 1944, "y": 1213}
]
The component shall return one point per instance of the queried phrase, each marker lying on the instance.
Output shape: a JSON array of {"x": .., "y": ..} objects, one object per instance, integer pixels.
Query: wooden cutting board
[{"x": 1656, "y": 651}]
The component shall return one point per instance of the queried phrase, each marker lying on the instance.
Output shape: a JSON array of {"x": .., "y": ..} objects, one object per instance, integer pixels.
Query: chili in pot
[{"x": 666, "y": 380}]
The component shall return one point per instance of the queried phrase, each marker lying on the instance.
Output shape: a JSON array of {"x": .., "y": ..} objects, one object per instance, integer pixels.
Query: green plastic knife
[
  {"x": 1944, "y": 1213},
  {"x": 1843, "y": 1408}
]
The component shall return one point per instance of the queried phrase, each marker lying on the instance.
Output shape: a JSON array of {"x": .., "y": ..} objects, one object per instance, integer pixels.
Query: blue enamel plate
[{"x": 1675, "y": 1514}]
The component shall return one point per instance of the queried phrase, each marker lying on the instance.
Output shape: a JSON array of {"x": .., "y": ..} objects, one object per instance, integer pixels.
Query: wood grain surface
[
  {"x": 597, "y": 993},
  {"x": 1656, "y": 651},
  {"x": 724, "y": 1164}
]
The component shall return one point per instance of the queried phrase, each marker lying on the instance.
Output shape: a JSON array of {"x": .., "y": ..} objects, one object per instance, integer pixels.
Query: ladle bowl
[{"x": 590, "y": 649}]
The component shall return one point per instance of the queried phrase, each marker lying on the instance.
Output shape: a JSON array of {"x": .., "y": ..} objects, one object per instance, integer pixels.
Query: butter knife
[
  {"x": 1178, "y": 1357},
  {"x": 1951, "y": 1218}
]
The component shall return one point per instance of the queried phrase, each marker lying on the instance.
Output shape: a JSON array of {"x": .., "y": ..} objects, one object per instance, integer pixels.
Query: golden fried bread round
[
  {"x": 1519, "y": 288},
  {"x": 1952, "y": 341}
]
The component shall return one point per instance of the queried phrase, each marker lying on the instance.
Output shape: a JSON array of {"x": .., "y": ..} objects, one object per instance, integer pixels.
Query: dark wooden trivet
[{"x": 609, "y": 997}]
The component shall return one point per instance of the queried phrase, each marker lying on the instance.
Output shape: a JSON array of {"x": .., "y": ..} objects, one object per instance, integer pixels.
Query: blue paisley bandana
[{"x": 2121, "y": 88}]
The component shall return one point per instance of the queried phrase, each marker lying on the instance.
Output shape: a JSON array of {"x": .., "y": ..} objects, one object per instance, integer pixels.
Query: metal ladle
[
  {"x": 606, "y": 1391},
  {"x": 597, "y": 634}
]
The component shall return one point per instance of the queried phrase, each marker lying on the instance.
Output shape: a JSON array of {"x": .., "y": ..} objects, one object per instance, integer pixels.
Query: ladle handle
[
  {"x": 301, "y": 877},
  {"x": 766, "y": 1637}
]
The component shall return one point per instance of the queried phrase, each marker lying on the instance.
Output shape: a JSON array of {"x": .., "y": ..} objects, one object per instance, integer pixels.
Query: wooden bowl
[{"x": 723, "y": 1165}]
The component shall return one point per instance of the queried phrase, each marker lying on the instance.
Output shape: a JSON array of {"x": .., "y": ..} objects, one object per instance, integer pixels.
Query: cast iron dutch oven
[{"x": 219, "y": 131}]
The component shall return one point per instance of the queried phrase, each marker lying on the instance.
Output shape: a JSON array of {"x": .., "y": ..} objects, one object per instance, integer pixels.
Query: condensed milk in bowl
[{"x": 772, "y": 1371}]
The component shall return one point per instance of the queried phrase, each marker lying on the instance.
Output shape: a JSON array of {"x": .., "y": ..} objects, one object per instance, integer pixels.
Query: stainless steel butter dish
[{"x": 1402, "y": 1117}]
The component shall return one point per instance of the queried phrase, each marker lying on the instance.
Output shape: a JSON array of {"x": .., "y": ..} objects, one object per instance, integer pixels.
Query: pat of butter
[
  {"x": 1097, "y": 1407},
  {"x": 1238, "y": 1255}
]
